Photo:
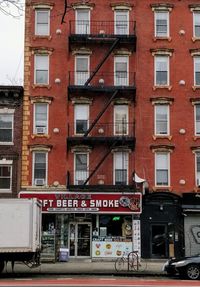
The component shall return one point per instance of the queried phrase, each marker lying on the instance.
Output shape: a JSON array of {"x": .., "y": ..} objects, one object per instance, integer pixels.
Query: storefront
[{"x": 95, "y": 225}]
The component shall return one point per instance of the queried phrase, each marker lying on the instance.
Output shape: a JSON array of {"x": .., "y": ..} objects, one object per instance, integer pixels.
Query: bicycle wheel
[
  {"x": 120, "y": 264},
  {"x": 142, "y": 265}
]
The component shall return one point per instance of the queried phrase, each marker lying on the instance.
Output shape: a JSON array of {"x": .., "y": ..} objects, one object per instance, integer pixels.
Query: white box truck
[{"x": 20, "y": 231}]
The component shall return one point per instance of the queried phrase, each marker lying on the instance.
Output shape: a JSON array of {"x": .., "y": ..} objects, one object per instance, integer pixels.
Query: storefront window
[{"x": 115, "y": 225}]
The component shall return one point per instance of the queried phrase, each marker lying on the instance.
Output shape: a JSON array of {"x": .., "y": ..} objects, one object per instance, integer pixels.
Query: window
[
  {"x": 198, "y": 169},
  {"x": 42, "y": 22},
  {"x": 121, "y": 22},
  {"x": 82, "y": 70},
  {"x": 197, "y": 71},
  {"x": 40, "y": 168},
  {"x": 5, "y": 176},
  {"x": 82, "y": 21},
  {"x": 162, "y": 119},
  {"x": 81, "y": 118},
  {"x": 161, "y": 24},
  {"x": 6, "y": 128},
  {"x": 121, "y": 119},
  {"x": 81, "y": 168},
  {"x": 196, "y": 21},
  {"x": 121, "y": 168},
  {"x": 121, "y": 71},
  {"x": 162, "y": 168},
  {"x": 42, "y": 69},
  {"x": 161, "y": 70},
  {"x": 41, "y": 118},
  {"x": 197, "y": 119}
]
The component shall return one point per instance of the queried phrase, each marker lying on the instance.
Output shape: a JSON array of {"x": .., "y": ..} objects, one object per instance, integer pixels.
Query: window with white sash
[
  {"x": 121, "y": 70},
  {"x": 197, "y": 156},
  {"x": 121, "y": 22},
  {"x": 121, "y": 119},
  {"x": 161, "y": 119},
  {"x": 81, "y": 168},
  {"x": 161, "y": 70},
  {"x": 81, "y": 118},
  {"x": 41, "y": 118},
  {"x": 162, "y": 169},
  {"x": 42, "y": 69},
  {"x": 161, "y": 23},
  {"x": 197, "y": 71},
  {"x": 5, "y": 175},
  {"x": 82, "y": 21},
  {"x": 81, "y": 69},
  {"x": 6, "y": 127},
  {"x": 40, "y": 168},
  {"x": 197, "y": 119},
  {"x": 42, "y": 22},
  {"x": 121, "y": 168},
  {"x": 196, "y": 24}
]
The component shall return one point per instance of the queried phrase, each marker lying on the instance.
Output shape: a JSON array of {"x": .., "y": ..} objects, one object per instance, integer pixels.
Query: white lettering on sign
[
  {"x": 47, "y": 202},
  {"x": 104, "y": 203},
  {"x": 67, "y": 203}
]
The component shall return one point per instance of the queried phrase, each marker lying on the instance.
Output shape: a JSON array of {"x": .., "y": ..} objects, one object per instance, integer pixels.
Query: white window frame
[
  {"x": 168, "y": 168},
  {"x": 197, "y": 178},
  {"x": 127, "y": 116},
  {"x": 194, "y": 14},
  {"x": 35, "y": 70},
  {"x": 89, "y": 20},
  {"x": 195, "y": 119},
  {"x": 33, "y": 167},
  {"x": 8, "y": 112},
  {"x": 87, "y": 171},
  {"x": 115, "y": 21},
  {"x": 155, "y": 120},
  {"x": 75, "y": 118},
  {"x": 196, "y": 59},
  {"x": 34, "y": 118},
  {"x": 36, "y": 22},
  {"x": 156, "y": 12},
  {"x": 116, "y": 58},
  {"x": 156, "y": 57},
  {"x": 8, "y": 163},
  {"x": 126, "y": 153},
  {"x": 75, "y": 69}
]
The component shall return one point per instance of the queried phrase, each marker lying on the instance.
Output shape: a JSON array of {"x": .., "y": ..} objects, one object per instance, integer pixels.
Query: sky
[{"x": 11, "y": 50}]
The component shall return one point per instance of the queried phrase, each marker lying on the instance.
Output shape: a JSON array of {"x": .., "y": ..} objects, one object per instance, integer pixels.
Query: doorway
[
  {"x": 80, "y": 239},
  {"x": 159, "y": 241}
]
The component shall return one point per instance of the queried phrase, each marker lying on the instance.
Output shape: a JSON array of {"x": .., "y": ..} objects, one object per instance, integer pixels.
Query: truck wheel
[
  {"x": 1, "y": 266},
  {"x": 193, "y": 272}
]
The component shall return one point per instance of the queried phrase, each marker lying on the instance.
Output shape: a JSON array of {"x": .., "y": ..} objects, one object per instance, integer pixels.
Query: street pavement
[{"x": 87, "y": 267}]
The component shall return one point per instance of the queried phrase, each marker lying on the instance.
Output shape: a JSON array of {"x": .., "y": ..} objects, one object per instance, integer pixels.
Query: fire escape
[{"x": 97, "y": 84}]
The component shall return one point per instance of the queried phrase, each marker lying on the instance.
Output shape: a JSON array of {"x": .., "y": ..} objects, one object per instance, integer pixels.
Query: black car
[{"x": 186, "y": 267}]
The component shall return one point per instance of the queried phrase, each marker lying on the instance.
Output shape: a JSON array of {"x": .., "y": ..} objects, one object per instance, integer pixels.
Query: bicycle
[{"x": 132, "y": 262}]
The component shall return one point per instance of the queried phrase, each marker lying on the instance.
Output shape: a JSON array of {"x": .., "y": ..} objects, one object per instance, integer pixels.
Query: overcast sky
[{"x": 11, "y": 50}]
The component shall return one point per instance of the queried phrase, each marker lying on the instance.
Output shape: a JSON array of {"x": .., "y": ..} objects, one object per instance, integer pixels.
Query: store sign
[{"x": 88, "y": 202}]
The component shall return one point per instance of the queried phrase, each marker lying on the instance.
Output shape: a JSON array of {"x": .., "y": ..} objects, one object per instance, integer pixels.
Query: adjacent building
[
  {"x": 10, "y": 140},
  {"x": 111, "y": 119}
]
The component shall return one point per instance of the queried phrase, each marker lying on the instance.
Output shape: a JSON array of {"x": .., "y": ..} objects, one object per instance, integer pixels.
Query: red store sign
[{"x": 88, "y": 202}]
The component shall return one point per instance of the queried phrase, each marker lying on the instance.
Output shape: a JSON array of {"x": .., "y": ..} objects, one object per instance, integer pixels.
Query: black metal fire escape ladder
[
  {"x": 100, "y": 163},
  {"x": 100, "y": 114},
  {"x": 102, "y": 61}
]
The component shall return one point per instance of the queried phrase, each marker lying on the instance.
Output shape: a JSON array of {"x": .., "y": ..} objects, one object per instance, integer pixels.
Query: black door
[{"x": 159, "y": 241}]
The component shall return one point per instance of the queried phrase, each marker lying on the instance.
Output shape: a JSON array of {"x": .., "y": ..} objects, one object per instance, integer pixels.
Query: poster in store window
[
  {"x": 111, "y": 249},
  {"x": 137, "y": 237}
]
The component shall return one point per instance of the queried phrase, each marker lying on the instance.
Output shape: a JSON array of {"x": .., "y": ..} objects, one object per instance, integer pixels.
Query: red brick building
[{"x": 111, "y": 113}]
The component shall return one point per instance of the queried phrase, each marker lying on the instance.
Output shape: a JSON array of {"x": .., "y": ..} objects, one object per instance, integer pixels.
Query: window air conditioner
[
  {"x": 39, "y": 181},
  {"x": 40, "y": 130}
]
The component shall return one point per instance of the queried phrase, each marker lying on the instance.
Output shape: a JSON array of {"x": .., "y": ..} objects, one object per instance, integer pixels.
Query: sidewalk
[{"x": 86, "y": 267}]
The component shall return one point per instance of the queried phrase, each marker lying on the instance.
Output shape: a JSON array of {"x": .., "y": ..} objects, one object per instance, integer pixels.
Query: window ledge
[
  {"x": 155, "y": 137},
  {"x": 162, "y": 188},
  {"x": 5, "y": 191},
  {"x": 163, "y": 87},
  {"x": 196, "y": 137},
  {"x": 33, "y": 136},
  {"x": 34, "y": 86},
  {"x": 6, "y": 143},
  {"x": 169, "y": 39},
  {"x": 45, "y": 37},
  {"x": 194, "y": 39}
]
